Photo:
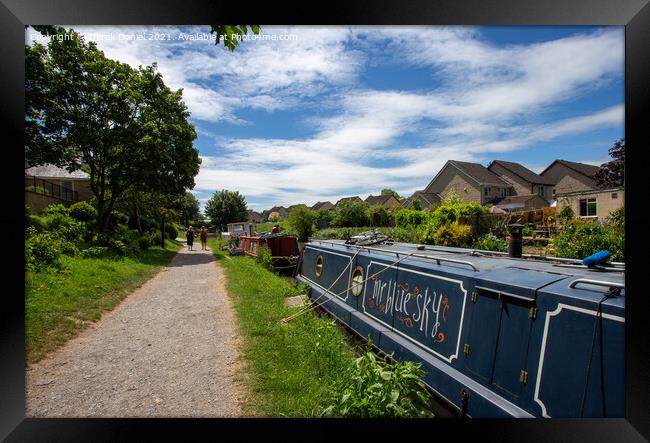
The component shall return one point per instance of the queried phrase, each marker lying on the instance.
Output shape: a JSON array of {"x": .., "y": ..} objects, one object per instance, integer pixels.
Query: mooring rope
[{"x": 313, "y": 304}]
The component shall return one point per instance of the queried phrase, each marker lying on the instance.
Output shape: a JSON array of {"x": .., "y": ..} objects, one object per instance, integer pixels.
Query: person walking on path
[
  {"x": 189, "y": 234},
  {"x": 204, "y": 238}
]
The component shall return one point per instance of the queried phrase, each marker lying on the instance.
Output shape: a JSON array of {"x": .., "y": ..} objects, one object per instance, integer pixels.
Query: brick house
[
  {"x": 524, "y": 181},
  {"x": 596, "y": 204},
  {"x": 386, "y": 201},
  {"x": 255, "y": 217},
  {"x": 322, "y": 205},
  {"x": 569, "y": 177},
  {"x": 471, "y": 181},
  {"x": 427, "y": 201}
]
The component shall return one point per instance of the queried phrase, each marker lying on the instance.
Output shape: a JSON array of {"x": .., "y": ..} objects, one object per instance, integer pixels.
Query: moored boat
[
  {"x": 498, "y": 336},
  {"x": 285, "y": 252}
]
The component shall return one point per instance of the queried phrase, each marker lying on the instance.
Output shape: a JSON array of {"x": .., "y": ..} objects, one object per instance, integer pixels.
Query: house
[
  {"x": 521, "y": 202},
  {"x": 322, "y": 205},
  {"x": 255, "y": 217},
  {"x": 523, "y": 180},
  {"x": 427, "y": 201},
  {"x": 385, "y": 201},
  {"x": 353, "y": 198},
  {"x": 471, "y": 181},
  {"x": 48, "y": 184},
  {"x": 596, "y": 204},
  {"x": 570, "y": 176}
]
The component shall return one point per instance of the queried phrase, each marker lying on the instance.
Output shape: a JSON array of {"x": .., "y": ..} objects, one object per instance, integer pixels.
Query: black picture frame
[{"x": 15, "y": 14}]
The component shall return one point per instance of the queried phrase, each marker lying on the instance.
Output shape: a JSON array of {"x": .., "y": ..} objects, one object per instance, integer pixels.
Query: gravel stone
[{"x": 170, "y": 349}]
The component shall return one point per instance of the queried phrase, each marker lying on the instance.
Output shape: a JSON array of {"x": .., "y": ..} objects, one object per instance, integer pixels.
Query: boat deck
[{"x": 485, "y": 261}]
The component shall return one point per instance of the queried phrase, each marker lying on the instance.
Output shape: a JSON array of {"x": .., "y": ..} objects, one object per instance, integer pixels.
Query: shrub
[
  {"x": 57, "y": 208},
  {"x": 565, "y": 215},
  {"x": 617, "y": 219},
  {"x": 83, "y": 211},
  {"x": 490, "y": 242},
  {"x": 145, "y": 242},
  {"x": 351, "y": 214},
  {"x": 274, "y": 216},
  {"x": 377, "y": 215},
  {"x": 64, "y": 227},
  {"x": 42, "y": 250},
  {"x": 375, "y": 387},
  {"x": 528, "y": 231},
  {"x": 324, "y": 218},
  {"x": 580, "y": 239},
  {"x": 453, "y": 234},
  {"x": 35, "y": 222},
  {"x": 409, "y": 218},
  {"x": 171, "y": 230},
  {"x": 264, "y": 257},
  {"x": 301, "y": 221}
]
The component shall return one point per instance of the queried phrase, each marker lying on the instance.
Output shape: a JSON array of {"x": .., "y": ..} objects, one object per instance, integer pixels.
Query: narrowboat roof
[{"x": 483, "y": 261}]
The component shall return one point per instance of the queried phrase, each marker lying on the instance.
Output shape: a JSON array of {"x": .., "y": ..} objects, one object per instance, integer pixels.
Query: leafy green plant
[
  {"x": 579, "y": 239},
  {"x": 490, "y": 242},
  {"x": 351, "y": 213},
  {"x": 264, "y": 257},
  {"x": 377, "y": 215},
  {"x": 83, "y": 211},
  {"x": 617, "y": 219},
  {"x": 565, "y": 215},
  {"x": 42, "y": 250},
  {"x": 301, "y": 221},
  {"x": 409, "y": 218},
  {"x": 171, "y": 230},
  {"x": 453, "y": 234},
  {"x": 56, "y": 208},
  {"x": 377, "y": 387},
  {"x": 64, "y": 227}
]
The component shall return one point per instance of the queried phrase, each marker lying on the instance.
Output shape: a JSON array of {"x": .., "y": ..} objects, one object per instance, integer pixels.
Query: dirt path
[{"x": 168, "y": 350}]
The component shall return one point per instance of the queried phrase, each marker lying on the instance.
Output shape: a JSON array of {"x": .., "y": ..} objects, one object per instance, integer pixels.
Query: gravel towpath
[{"x": 168, "y": 350}]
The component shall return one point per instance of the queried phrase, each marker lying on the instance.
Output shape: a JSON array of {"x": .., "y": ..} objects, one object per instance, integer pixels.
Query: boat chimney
[{"x": 515, "y": 240}]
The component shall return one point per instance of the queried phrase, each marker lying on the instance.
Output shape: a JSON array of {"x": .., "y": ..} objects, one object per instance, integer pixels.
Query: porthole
[
  {"x": 356, "y": 283},
  {"x": 319, "y": 266}
]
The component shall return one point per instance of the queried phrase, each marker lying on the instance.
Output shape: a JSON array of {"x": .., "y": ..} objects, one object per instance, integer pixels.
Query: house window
[
  {"x": 588, "y": 207},
  {"x": 487, "y": 190},
  {"x": 540, "y": 190},
  {"x": 502, "y": 192},
  {"x": 553, "y": 192},
  {"x": 614, "y": 195}
]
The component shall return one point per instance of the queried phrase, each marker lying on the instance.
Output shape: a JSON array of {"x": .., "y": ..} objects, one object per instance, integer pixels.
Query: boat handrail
[
  {"x": 607, "y": 284},
  {"x": 429, "y": 257}
]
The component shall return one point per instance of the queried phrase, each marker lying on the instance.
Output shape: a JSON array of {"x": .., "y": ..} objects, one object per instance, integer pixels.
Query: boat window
[
  {"x": 319, "y": 266},
  {"x": 357, "y": 281}
]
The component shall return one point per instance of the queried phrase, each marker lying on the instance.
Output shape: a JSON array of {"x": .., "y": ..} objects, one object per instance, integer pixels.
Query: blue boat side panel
[
  {"x": 566, "y": 353},
  {"x": 485, "y": 316},
  {"x": 517, "y": 282},
  {"x": 367, "y": 327},
  {"x": 423, "y": 306},
  {"x": 334, "y": 264}
]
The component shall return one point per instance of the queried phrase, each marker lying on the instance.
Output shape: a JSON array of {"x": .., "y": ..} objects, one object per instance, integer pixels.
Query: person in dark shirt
[{"x": 189, "y": 234}]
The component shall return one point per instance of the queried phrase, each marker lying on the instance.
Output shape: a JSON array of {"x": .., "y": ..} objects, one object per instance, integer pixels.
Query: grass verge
[
  {"x": 290, "y": 367},
  {"x": 61, "y": 303}
]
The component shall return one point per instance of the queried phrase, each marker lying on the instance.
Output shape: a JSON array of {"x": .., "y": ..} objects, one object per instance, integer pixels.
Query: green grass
[
  {"x": 289, "y": 367},
  {"x": 60, "y": 304}
]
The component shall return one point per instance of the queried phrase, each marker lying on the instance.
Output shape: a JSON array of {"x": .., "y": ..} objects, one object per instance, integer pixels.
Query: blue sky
[{"x": 333, "y": 111}]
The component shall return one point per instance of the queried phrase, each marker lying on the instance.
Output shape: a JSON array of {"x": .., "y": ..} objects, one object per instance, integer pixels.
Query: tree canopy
[
  {"x": 388, "y": 191},
  {"x": 128, "y": 129},
  {"x": 189, "y": 208},
  {"x": 301, "y": 220},
  {"x": 612, "y": 173},
  {"x": 226, "y": 207},
  {"x": 232, "y": 34}
]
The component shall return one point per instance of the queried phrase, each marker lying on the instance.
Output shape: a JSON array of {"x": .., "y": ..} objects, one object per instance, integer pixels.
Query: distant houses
[
  {"x": 47, "y": 184},
  {"x": 507, "y": 185}
]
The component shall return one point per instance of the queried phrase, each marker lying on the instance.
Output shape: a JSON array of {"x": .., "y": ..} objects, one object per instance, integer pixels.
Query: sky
[{"x": 306, "y": 114}]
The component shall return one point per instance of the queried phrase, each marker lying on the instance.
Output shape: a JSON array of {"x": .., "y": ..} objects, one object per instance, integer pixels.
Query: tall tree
[
  {"x": 226, "y": 207},
  {"x": 612, "y": 173},
  {"x": 387, "y": 191},
  {"x": 125, "y": 125},
  {"x": 189, "y": 208}
]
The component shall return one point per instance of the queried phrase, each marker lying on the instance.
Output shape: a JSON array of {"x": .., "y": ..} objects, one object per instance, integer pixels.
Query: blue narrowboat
[{"x": 498, "y": 336}]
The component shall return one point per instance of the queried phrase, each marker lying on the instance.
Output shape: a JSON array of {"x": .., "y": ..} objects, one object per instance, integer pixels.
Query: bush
[
  {"x": 83, "y": 211},
  {"x": 490, "y": 242},
  {"x": 57, "y": 208},
  {"x": 410, "y": 218},
  {"x": 579, "y": 239},
  {"x": 351, "y": 214},
  {"x": 324, "y": 218},
  {"x": 64, "y": 227},
  {"x": 42, "y": 250},
  {"x": 565, "y": 215},
  {"x": 375, "y": 387},
  {"x": 453, "y": 234},
  {"x": 171, "y": 230},
  {"x": 617, "y": 219},
  {"x": 377, "y": 215},
  {"x": 35, "y": 222},
  {"x": 301, "y": 221},
  {"x": 264, "y": 257},
  {"x": 528, "y": 231}
]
